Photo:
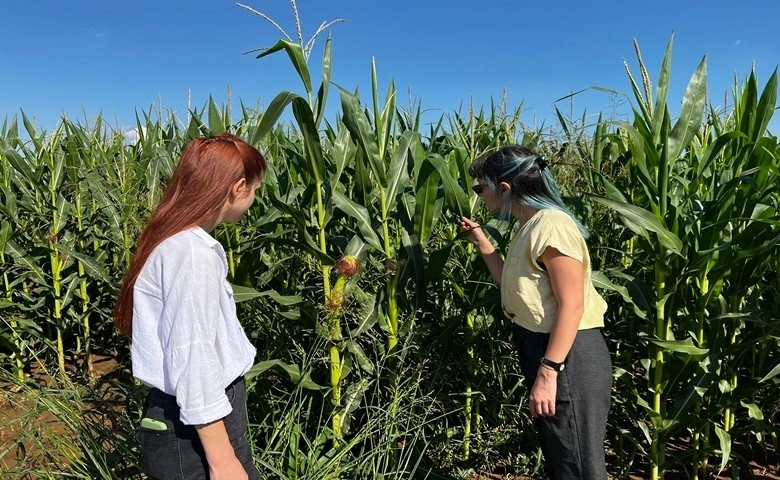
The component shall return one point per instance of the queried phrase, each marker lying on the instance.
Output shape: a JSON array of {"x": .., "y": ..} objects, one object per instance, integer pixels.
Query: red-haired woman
[{"x": 187, "y": 343}]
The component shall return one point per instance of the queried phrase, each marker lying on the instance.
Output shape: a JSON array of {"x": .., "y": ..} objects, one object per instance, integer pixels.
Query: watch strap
[{"x": 558, "y": 367}]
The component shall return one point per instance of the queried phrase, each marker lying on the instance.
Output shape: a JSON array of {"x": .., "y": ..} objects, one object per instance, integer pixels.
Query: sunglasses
[{"x": 478, "y": 189}]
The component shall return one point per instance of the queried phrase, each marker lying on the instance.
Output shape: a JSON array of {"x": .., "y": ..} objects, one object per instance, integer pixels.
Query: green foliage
[
  {"x": 700, "y": 201},
  {"x": 70, "y": 430},
  {"x": 405, "y": 369}
]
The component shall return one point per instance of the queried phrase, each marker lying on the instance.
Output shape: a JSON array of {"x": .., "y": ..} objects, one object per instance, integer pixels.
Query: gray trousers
[
  {"x": 177, "y": 453},
  {"x": 572, "y": 441}
]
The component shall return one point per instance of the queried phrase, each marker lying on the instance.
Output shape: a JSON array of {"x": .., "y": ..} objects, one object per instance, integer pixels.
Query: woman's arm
[
  {"x": 489, "y": 253},
  {"x": 223, "y": 464},
  {"x": 568, "y": 286}
]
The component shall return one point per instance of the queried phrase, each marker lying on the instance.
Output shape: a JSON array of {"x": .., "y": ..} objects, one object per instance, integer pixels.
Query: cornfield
[{"x": 382, "y": 350}]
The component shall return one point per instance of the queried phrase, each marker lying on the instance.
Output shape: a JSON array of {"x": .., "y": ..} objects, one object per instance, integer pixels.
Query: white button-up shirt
[{"x": 187, "y": 340}]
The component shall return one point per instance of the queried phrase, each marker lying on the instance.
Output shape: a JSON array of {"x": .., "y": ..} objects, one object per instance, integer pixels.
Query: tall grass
[{"x": 59, "y": 429}]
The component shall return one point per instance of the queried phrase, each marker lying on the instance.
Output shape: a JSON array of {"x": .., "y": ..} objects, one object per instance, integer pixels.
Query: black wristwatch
[{"x": 558, "y": 367}]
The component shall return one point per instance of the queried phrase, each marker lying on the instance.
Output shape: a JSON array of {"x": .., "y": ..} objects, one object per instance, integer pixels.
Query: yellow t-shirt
[{"x": 526, "y": 293}]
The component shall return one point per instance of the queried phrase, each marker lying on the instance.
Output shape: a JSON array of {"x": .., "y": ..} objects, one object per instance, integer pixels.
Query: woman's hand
[
  {"x": 475, "y": 235},
  {"x": 542, "y": 398}
]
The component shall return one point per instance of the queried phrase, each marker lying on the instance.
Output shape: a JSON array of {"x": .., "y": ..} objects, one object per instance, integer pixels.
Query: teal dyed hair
[{"x": 532, "y": 182}]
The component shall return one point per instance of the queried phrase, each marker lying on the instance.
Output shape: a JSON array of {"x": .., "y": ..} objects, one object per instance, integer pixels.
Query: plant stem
[
  {"x": 467, "y": 408},
  {"x": 321, "y": 236},
  {"x": 15, "y": 337},
  {"x": 728, "y": 414},
  {"x": 700, "y": 443},
  {"x": 392, "y": 285},
  {"x": 335, "y": 376},
  {"x": 83, "y": 289},
  {"x": 334, "y": 323},
  {"x": 54, "y": 259},
  {"x": 657, "y": 445}
]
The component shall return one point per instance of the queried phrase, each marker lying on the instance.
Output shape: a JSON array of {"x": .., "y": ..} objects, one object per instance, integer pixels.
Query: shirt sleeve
[
  {"x": 192, "y": 309},
  {"x": 560, "y": 232}
]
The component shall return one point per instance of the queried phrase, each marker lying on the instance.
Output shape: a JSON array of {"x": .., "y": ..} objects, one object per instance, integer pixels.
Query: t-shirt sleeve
[
  {"x": 192, "y": 363},
  {"x": 558, "y": 231}
]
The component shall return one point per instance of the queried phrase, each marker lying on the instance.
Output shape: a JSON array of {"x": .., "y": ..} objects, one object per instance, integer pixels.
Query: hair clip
[{"x": 542, "y": 163}]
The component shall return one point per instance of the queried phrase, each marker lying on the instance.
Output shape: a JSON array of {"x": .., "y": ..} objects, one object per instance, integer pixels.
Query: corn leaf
[
  {"x": 680, "y": 346},
  {"x": 725, "y": 447},
  {"x": 21, "y": 257},
  {"x": 92, "y": 268},
  {"x": 217, "y": 124},
  {"x": 361, "y": 216},
  {"x": 293, "y": 371},
  {"x": 289, "y": 242},
  {"x": 397, "y": 172},
  {"x": 772, "y": 374},
  {"x": 602, "y": 282},
  {"x": 639, "y": 217},
  {"x": 5, "y": 234},
  {"x": 270, "y": 116},
  {"x": 311, "y": 139},
  {"x": 662, "y": 92},
  {"x": 322, "y": 93},
  {"x": 360, "y": 127},
  {"x": 343, "y": 151},
  {"x": 358, "y": 354},
  {"x": 242, "y": 294},
  {"x": 454, "y": 195},
  {"x": 297, "y": 57},
  {"x": 765, "y": 108},
  {"x": 691, "y": 113},
  {"x": 426, "y": 194}
]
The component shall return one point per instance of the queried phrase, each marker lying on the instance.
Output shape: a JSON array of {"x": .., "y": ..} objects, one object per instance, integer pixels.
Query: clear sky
[{"x": 84, "y": 57}]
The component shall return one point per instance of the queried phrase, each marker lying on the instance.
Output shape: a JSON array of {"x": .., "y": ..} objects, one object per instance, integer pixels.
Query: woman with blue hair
[{"x": 557, "y": 315}]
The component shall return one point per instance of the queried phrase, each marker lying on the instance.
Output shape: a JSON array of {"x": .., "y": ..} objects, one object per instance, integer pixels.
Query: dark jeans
[
  {"x": 177, "y": 453},
  {"x": 572, "y": 441}
]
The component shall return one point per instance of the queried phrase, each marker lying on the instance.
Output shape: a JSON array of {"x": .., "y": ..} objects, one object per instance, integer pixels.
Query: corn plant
[
  {"x": 11, "y": 332},
  {"x": 83, "y": 150},
  {"x": 691, "y": 225},
  {"x": 40, "y": 177},
  {"x": 468, "y": 136},
  {"x": 308, "y": 112}
]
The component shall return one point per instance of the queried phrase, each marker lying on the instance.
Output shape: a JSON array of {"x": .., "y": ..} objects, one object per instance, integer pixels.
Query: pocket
[
  {"x": 160, "y": 452},
  {"x": 159, "y": 449},
  {"x": 563, "y": 388}
]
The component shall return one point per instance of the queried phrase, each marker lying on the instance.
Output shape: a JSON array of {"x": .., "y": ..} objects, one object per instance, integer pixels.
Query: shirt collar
[{"x": 203, "y": 235}]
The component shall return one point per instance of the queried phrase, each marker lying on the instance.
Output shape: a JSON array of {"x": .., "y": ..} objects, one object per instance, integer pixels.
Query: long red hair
[{"x": 198, "y": 188}]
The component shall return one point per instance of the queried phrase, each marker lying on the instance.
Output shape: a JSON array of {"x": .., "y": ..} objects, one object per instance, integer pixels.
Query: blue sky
[{"x": 84, "y": 57}]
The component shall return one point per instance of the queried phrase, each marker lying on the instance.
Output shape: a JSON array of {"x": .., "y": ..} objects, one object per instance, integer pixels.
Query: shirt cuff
[{"x": 207, "y": 413}]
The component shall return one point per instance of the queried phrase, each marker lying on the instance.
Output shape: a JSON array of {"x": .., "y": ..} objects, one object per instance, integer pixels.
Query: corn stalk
[{"x": 692, "y": 215}]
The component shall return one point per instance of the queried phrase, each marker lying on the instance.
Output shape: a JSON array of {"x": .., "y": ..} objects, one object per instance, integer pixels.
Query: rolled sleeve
[{"x": 200, "y": 396}]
